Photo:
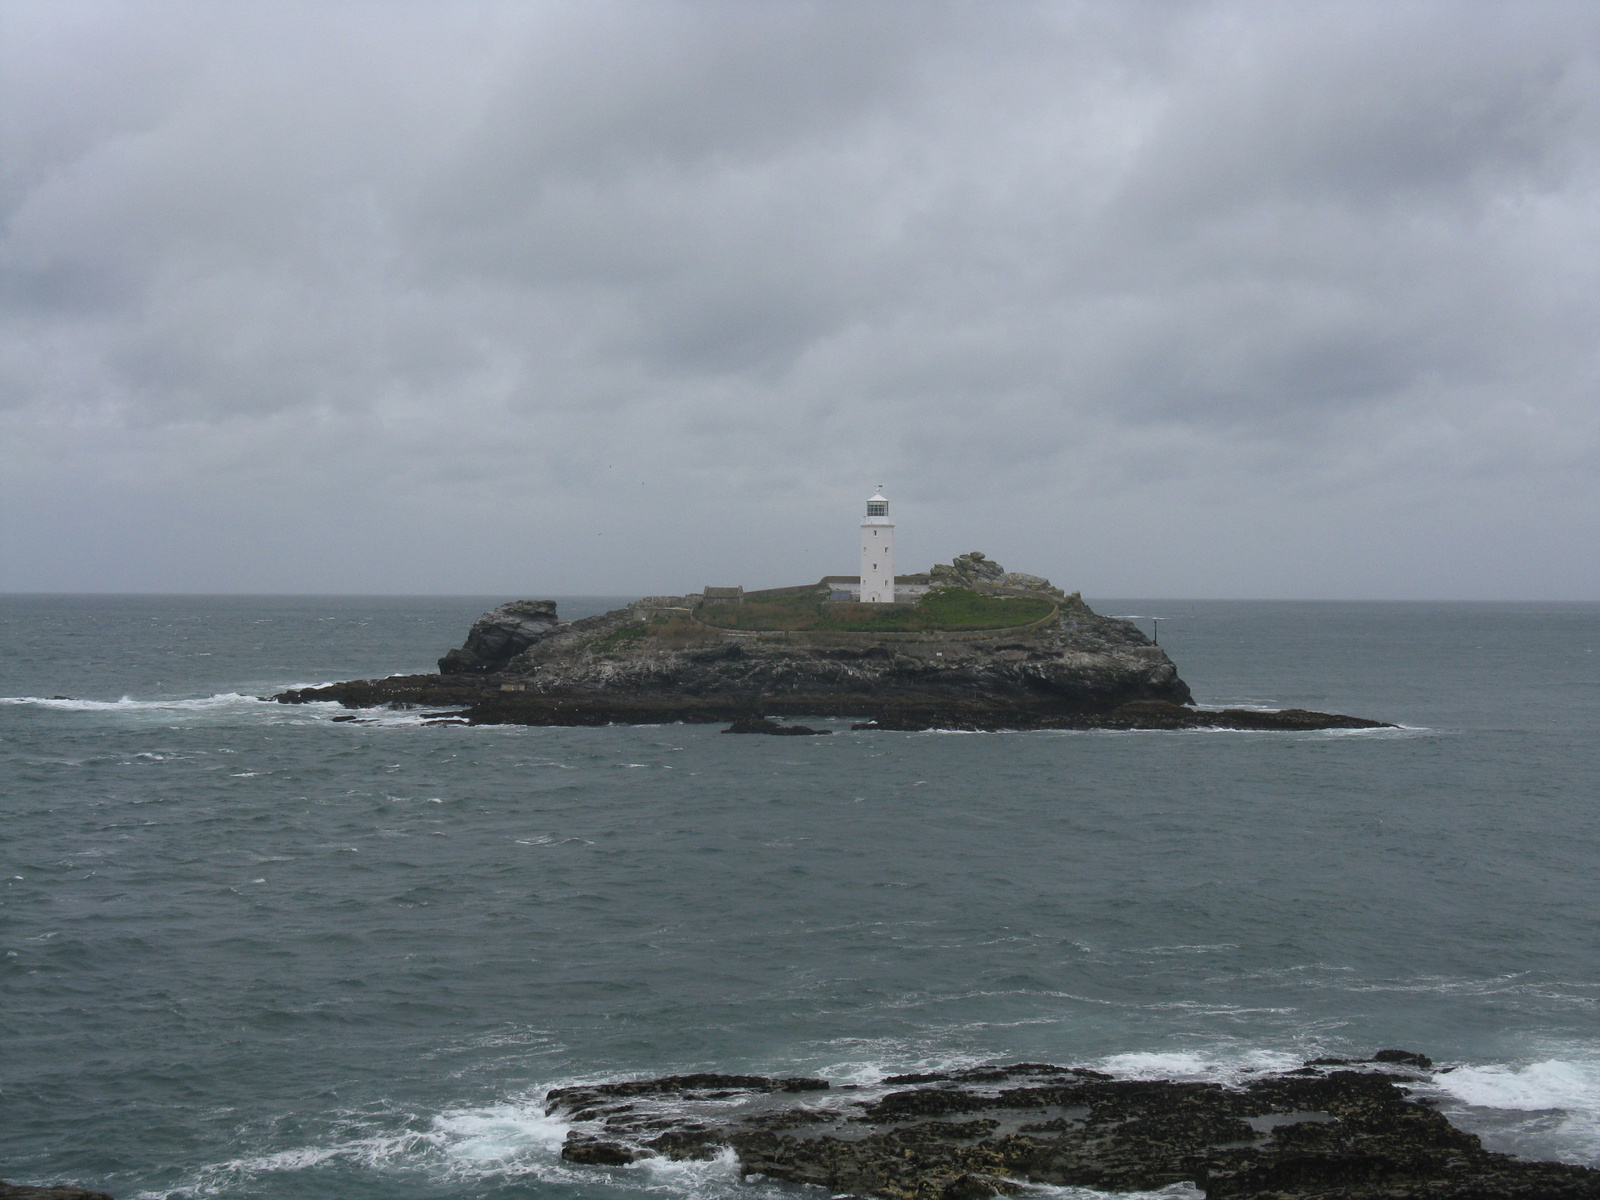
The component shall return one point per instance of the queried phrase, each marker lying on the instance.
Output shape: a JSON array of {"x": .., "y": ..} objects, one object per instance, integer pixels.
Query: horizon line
[{"x": 629, "y": 596}]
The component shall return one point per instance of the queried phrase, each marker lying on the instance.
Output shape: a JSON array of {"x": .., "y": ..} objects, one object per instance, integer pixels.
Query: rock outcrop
[
  {"x": 977, "y": 570},
  {"x": 769, "y": 726},
  {"x": 1079, "y": 660},
  {"x": 22, "y": 1191},
  {"x": 667, "y": 659},
  {"x": 1327, "y": 1131},
  {"x": 501, "y": 634},
  {"x": 967, "y": 569}
]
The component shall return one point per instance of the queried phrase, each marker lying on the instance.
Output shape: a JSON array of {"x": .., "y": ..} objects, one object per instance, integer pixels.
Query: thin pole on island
[{"x": 1155, "y": 624}]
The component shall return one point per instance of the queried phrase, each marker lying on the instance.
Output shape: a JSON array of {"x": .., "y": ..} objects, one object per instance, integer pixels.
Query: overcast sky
[{"x": 1173, "y": 299}]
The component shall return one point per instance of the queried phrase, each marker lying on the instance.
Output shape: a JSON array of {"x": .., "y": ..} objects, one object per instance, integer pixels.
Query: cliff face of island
[
  {"x": 664, "y": 647},
  {"x": 981, "y": 649}
]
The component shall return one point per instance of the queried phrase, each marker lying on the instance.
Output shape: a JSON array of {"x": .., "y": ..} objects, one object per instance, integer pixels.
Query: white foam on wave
[
  {"x": 389, "y": 718},
  {"x": 875, "y": 1059},
  {"x": 467, "y": 1144},
  {"x": 499, "y": 1137},
  {"x": 1173, "y": 1191},
  {"x": 221, "y": 1178},
  {"x": 1218, "y": 1066},
  {"x": 1547, "y": 1109},
  {"x": 707, "y": 1176},
  {"x": 1541, "y": 1085},
  {"x": 229, "y": 704},
  {"x": 871, "y": 1060},
  {"x": 222, "y": 700},
  {"x": 472, "y": 1146},
  {"x": 1391, "y": 732}
]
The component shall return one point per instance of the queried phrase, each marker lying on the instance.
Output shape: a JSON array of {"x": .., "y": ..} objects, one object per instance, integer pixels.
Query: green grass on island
[
  {"x": 618, "y": 638},
  {"x": 946, "y": 610}
]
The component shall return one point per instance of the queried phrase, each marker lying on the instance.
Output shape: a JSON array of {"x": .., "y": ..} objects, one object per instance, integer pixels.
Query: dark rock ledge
[
  {"x": 22, "y": 1191},
  {"x": 1331, "y": 1130},
  {"x": 768, "y": 725}
]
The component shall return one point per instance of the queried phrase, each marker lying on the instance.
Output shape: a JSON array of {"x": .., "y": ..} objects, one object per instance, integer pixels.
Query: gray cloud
[{"x": 1193, "y": 298}]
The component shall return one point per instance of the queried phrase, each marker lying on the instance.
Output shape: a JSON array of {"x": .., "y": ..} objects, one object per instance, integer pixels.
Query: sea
[{"x": 251, "y": 951}]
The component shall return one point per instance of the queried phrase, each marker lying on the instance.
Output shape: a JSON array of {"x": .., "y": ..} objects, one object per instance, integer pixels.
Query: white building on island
[
  {"x": 877, "y": 583},
  {"x": 877, "y": 552}
]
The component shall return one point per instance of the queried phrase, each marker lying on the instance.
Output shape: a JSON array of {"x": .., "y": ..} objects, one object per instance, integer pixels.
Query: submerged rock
[
  {"x": 768, "y": 725},
  {"x": 1312, "y": 1134}
]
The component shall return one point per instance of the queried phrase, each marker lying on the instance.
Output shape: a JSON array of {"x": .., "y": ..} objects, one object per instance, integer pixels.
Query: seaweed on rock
[{"x": 1351, "y": 1132}]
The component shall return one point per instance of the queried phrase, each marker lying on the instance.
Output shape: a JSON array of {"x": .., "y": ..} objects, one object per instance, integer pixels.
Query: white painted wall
[{"x": 877, "y": 554}]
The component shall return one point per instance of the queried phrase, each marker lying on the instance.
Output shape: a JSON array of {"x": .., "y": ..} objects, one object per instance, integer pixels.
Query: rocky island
[
  {"x": 1330, "y": 1130},
  {"x": 978, "y": 648}
]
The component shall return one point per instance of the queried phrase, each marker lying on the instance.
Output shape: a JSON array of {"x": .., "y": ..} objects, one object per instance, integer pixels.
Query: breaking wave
[
  {"x": 1548, "y": 1109},
  {"x": 230, "y": 704},
  {"x": 222, "y": 700}
]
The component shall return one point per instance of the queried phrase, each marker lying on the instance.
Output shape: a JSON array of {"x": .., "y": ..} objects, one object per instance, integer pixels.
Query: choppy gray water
[{"x": 251, "y": 952}]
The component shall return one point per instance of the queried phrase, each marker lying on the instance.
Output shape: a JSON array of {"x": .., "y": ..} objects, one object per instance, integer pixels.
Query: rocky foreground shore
[
  {"x": 1331, "y": 1130},
  {"x": 22, "y": 1191},
  {"x": 675, "y": 658}
]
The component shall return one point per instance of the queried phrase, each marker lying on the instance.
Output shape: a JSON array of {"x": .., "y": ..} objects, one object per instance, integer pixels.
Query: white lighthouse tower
[{"x": 877, "y": 553}]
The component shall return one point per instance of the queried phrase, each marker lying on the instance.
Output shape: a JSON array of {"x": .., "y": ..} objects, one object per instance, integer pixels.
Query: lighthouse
[{"x": 877, "y": 553}]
